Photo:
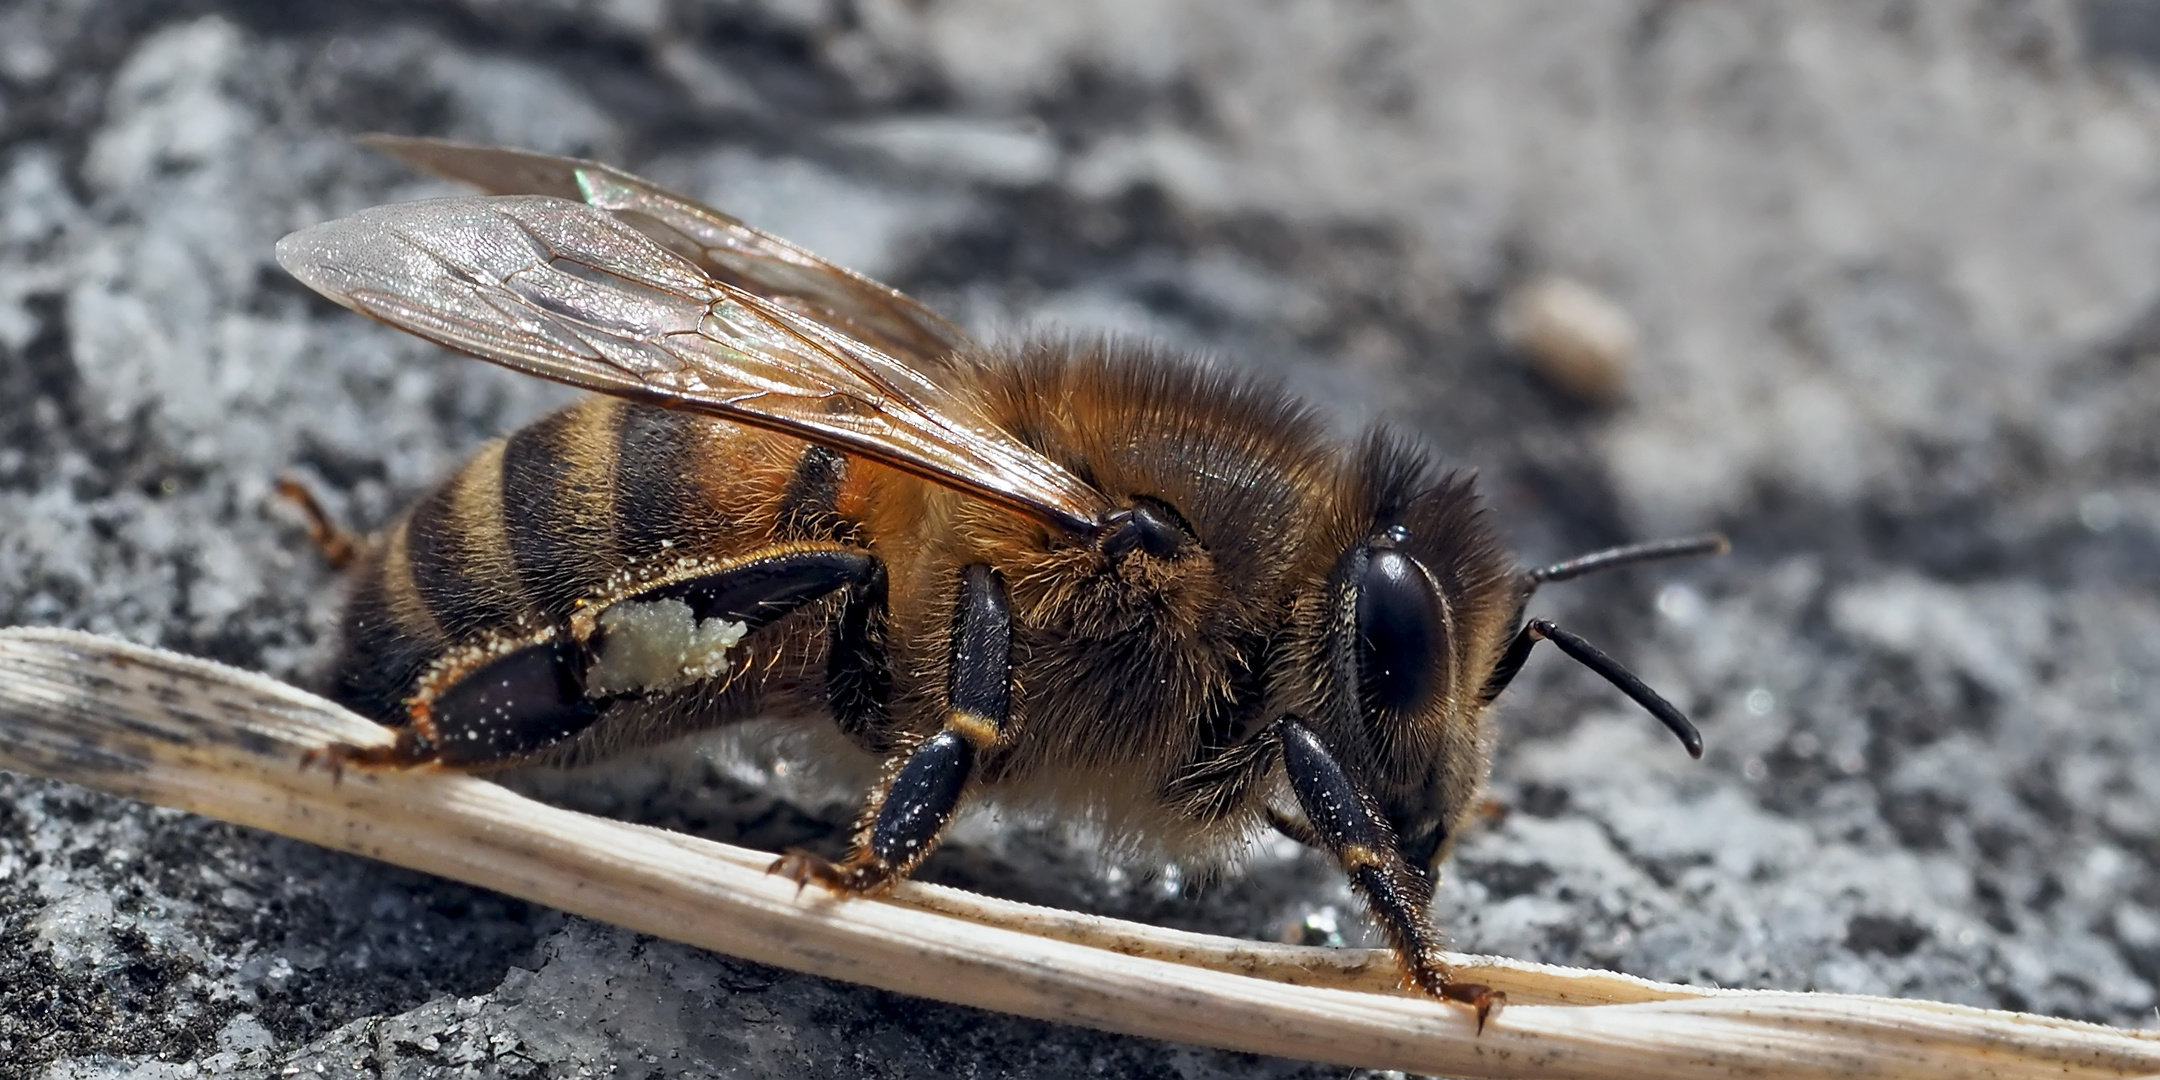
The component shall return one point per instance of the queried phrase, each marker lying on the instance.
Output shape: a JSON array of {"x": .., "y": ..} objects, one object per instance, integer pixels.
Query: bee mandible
[{"x": 1089, "y": 577}]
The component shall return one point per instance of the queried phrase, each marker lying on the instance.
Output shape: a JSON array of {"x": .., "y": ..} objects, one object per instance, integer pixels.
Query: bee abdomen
[
  {"x": 456, "y": 552},
  {"x": 557, "y": 505},
  {"x": 390, "y": 636},
  {"x": 659, "y": 499},
  {"x": 529, "y": 527},
  {"x": 443, "y": 574}
]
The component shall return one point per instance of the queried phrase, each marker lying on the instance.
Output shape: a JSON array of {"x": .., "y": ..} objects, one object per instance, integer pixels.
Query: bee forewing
[
  {"x": 479, "y": 278},
  {"x": 571, "y": 293},
  {"x": 754, "y": 261}
]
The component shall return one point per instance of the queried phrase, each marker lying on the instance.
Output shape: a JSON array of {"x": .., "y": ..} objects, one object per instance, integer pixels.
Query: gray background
[{"x": 1896, "y": 268}]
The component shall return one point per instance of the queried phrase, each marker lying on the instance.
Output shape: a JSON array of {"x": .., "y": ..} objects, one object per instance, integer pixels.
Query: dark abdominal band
[{"x": 582, "y": 493}]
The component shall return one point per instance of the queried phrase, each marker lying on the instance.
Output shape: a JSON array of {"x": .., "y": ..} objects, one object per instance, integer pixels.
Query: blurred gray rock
[{"x": 1897, "y": 273}]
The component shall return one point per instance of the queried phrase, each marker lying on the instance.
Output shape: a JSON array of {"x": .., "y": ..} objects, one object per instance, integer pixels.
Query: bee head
[
  {"x": 1421, "y": 627},
  {"x": 1418, "y": 608}
]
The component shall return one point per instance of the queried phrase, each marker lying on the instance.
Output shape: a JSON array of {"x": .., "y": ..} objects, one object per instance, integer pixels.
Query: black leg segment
[
  {"x": 978, "y": 682},
  {"x": 764, "y": 590},
  {"x": 678, "y": 631},
  {"x": 1344, "y": 823},
  {"x": 511, "y": 706},
  {"x": 906, "y": 819},
  {"x": 1341, "y": 820},
  {"x": 921, "y": 800}
]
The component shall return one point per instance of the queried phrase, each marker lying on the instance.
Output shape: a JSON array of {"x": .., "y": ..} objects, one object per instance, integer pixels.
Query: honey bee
[{"x": 1093, "y": 577}]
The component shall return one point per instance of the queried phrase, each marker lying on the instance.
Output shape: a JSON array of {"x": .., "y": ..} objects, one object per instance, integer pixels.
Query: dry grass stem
[{"x": 198, "y": 736}]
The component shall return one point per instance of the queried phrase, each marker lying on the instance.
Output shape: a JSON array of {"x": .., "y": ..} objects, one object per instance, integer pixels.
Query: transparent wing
[
  {"x": 753, "y": 261},
  {"x": 572, "y": 293}
]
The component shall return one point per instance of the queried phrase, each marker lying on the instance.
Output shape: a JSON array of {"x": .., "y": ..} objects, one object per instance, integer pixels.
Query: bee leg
[
  {"x": 1296, "y": 829},
  {"x": 908, "y": 816},
  {"x": 763, "y": 588},
  {"x": 1342, "y": 820},
  {"x": 503, "y": 704},
  {"x": 490, "y": 706},
  {"x": 858, "y": 684},
  {"x": 340, "y": 546}
]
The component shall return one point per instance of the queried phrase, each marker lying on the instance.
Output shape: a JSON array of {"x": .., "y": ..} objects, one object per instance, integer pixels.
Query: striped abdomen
[{"x": 536, "y": 522}]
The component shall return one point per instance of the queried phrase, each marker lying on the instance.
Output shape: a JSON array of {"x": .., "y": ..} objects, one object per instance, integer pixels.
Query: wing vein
[{"x": 578, "y": 294}]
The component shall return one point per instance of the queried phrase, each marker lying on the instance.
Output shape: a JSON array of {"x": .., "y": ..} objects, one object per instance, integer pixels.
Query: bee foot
[
  {"x": 849, "y": 878},
  {"x": 802, "y": 867},
  {"x": 404, "y": 753},
  {"x": 1432, "y": 979},
  {"x": 1486, "y": 1000},
  {"x": 332, "y": 759}
]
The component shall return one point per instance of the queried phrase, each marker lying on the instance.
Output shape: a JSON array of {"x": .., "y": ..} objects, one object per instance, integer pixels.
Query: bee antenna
[
  {"x": 1629, "y": 555},
  {"x": 1594, "y": 658}
]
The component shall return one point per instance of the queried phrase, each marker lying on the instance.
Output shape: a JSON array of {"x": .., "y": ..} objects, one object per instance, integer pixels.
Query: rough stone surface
[{"x": 1897, "y": 269}]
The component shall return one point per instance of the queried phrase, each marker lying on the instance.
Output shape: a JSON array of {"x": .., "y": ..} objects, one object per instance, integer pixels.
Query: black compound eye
[{"x": 1401, "y": 629}]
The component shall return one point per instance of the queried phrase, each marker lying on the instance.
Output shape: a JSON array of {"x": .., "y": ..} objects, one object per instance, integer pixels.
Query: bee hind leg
[
  {"x": 494, "y": 704},
  {"x": 405, "y": 751},
  {"x": 909, "y": 813},
  {"x": 503, "y": 701},
  {"x": 1340, "y": 820}
]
